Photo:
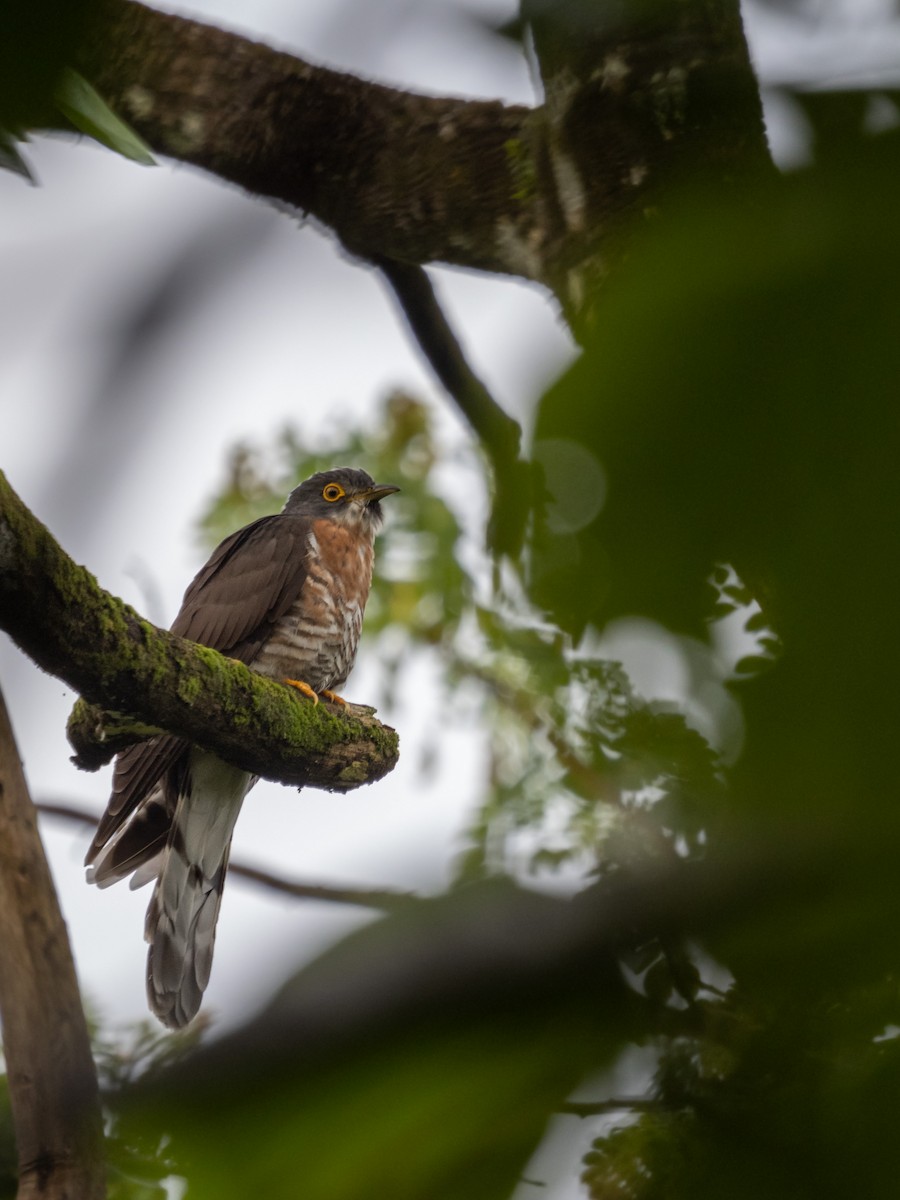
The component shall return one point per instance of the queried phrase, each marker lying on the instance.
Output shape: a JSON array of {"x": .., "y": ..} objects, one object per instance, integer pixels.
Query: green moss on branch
[{"x": 58, "y": 614}]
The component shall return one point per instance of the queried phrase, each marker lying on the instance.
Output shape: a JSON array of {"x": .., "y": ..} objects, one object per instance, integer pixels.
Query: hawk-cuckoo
[{"x": 285, "y": 595}]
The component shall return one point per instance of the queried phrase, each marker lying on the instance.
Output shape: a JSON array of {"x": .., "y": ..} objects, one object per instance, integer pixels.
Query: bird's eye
[{"x": 332, "y": 491}]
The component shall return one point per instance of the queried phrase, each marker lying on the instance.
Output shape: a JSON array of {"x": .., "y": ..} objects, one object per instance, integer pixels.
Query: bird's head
[{"x": 345, "y": 494}]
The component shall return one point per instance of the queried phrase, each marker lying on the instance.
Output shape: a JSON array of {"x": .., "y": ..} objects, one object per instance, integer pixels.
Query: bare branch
[
  {"x": 57, "y": 613},
  {"x": 52, "y": 1081},
  {"x": 498, "y": 433},
  {"x": 382, "y": 898},
  {"x": 599, "y": 1108}
]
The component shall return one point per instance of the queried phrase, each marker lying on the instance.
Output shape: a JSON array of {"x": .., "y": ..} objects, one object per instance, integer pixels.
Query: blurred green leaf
[
  {"x": 81, "y": 104},
  {"x": 11, "y": 159},
  {"x": 739, "y": 393},
  {"x": 8, "y": 1158},
  {"x": 433, "y": 1077}
]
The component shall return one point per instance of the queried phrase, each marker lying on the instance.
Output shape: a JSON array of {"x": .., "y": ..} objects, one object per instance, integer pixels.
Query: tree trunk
[{"x": 52, "y": 1081}]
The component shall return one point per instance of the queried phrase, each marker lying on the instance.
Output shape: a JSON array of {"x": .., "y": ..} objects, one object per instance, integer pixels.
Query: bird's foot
[
  {"x": 304, "y": 688},
  {"x": 333, "y": 697}
]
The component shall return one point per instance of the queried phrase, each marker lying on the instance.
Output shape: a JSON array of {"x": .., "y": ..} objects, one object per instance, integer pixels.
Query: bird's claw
[{"x": 304, "y": 688}]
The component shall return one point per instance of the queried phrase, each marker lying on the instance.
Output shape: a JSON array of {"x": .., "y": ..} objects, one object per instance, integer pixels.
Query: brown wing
[{"x": 249, "y": 582}]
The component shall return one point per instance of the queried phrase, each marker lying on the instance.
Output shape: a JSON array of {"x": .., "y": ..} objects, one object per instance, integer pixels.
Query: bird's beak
[{"x": 371, "y": 495}]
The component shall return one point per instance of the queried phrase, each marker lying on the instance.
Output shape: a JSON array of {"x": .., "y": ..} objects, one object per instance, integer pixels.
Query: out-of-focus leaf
[
  {"x": 11, "y": 159},
  {"x": 734, "y": 416},
  {"x": 740, "y": 394},
  {"x": 752, "y": 664},
  {"x": 422, "y": 1057},
  {"x": 80, "y": 103}
]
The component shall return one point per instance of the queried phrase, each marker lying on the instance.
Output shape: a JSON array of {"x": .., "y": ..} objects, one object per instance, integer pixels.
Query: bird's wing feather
[
  {"x": 249, "y": 582},
  {"x": 137, "y": 772}
]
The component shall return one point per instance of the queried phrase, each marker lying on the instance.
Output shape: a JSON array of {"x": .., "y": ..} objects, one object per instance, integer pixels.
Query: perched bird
[{"x": 286, "y": 596}]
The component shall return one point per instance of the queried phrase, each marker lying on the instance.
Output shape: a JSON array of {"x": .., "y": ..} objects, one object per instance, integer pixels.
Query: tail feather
[
  {"x": 181, "y": 919},
  {"x": 135, "y": 847}
]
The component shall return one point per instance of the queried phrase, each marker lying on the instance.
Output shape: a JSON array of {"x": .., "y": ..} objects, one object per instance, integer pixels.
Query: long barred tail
[{"x": 181, "y": 919}]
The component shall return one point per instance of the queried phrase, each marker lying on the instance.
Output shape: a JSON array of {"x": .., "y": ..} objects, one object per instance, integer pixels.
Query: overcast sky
[{"x": 267, "y": 323}]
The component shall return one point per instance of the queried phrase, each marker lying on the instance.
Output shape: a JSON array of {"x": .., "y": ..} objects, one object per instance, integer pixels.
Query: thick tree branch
[
  {"x": 411, "y": 176},
  {"x": 52, "y": 1081},
  {"x": 58, "y": 614},
  {"x": 640, "y": 97},
  {"x": 636, "y": 96}
]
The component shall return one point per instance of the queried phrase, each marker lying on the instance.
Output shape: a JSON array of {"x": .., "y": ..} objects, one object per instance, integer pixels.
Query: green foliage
[
  {"x": 415, "y": 1080},
  {"x": 10, "y": 158},
  {"x": 139, "y": 1160},
  {"x": 727, "y": 443},
  {"x": 38, "y": 42},
  {"x": 738, "y": 394},
  {"x": 88, "y": 111}
]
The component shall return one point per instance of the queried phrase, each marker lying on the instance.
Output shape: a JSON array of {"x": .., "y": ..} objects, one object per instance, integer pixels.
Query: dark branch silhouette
[{"x": 498, "y": 433}]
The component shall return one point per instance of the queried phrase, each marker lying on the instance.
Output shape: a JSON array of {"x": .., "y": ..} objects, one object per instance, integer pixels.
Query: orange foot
[
  {"x": 302, "y": 687},
  {"x": 333, "y": 697}
]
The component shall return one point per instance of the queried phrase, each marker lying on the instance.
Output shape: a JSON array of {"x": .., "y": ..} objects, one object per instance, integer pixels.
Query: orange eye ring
[{"x": 332, "y": 492}]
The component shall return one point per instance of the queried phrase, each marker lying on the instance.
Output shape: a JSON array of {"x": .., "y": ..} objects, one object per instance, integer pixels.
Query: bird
[{"x": 285, "y": 595}]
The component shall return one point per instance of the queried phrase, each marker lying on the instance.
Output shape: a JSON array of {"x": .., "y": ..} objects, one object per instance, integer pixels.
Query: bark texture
[
  {"x": 391, "y": 172},
  {"x": 52, "y": 1082},
  {"x": 636, "y": 95}
]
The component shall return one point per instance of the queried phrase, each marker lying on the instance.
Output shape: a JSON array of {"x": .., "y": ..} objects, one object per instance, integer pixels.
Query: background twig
[{"x": 383, "y": 898}]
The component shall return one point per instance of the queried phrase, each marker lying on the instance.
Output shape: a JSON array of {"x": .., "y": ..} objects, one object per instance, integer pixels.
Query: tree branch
[
  {"x": 497, "y": 432},
  {"x": 415, "y": 177},
  {"x": 599, "y": 1108},
  {"x": 52, "y": 1081},
  {"x": 57, "y": 613},
  {"x": 543, "y": 193},
  {"x": 382, "y": 898}
]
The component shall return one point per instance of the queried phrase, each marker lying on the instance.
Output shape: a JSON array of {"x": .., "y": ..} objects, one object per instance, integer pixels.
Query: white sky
[{"x": 300, "y": 334}]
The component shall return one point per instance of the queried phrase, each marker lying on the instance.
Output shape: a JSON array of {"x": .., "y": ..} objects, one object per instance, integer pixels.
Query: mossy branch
[
  {"x": 634, "y": 92},
  {"x": 58, "y": 614}
]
